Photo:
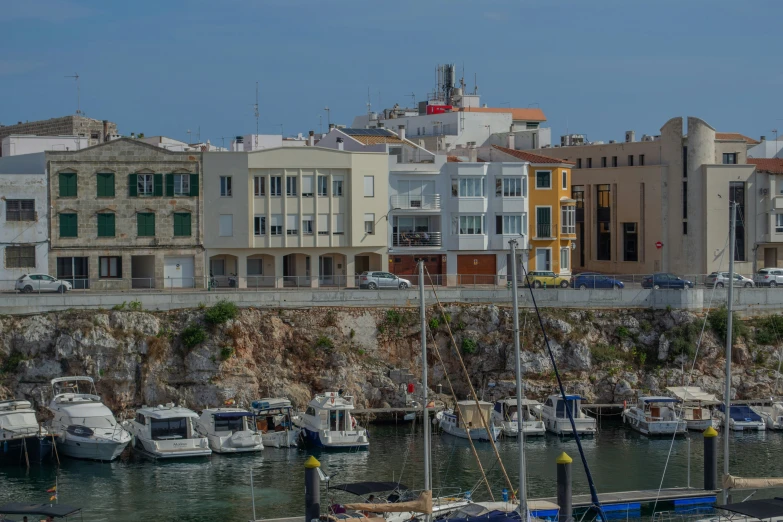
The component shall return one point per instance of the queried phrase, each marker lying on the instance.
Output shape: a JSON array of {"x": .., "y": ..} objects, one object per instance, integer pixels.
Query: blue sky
[{"x": 597, "y": 67}]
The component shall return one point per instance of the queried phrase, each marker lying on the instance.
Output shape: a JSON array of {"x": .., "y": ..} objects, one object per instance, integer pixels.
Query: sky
[{"x": 595, "y": 67}]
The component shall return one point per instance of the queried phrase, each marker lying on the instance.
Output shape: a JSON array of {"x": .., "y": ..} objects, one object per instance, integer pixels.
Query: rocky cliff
[{"x": 139, "y": 357}]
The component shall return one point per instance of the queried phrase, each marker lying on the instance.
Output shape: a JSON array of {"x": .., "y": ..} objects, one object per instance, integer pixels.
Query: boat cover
[
  {"x": 730, "y": 482},
  {"x": 760, "y": 509},
  {"x": 47, "y": 510},
  {"x": 741, "y": 413},
  {"x": 232, "y": 414},
  {"x": 423, "y": 504},
  {"x": 693, "y": 393},
  {"x": 365, "y": 488}
]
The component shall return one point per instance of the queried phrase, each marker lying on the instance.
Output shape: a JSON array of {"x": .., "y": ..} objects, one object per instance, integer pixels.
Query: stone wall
[{"x": 66, "y": 126}]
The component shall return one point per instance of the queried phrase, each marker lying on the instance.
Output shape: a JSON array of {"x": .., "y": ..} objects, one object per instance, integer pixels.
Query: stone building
[
  {"x": 126, "y": 214},
  {"x": 97, "y": 131}
]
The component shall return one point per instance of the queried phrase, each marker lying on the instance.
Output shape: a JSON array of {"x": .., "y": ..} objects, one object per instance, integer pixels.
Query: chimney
[
  {"x": 473, "y": 154},
  {"x": 511, "y": 138},
  {"x": 340, "y": 144},
  {"x": 105, "y": 130},
  {"x": 311, "y": 139},
  {"x": 402, "y": 132},
  {"x": 331, "y": 126},
  {"x": 763, "y": 138}
]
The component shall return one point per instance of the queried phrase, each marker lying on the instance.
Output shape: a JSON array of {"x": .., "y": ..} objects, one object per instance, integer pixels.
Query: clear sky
[{"x": 597, "y": 67}]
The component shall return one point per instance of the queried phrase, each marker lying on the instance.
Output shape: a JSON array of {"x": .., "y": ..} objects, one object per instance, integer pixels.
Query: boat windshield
[
  {"x": 164, "y": 429},
  {"x": 96, "y": 422},
  {"x": 561, "y": 411},
  {"x": 18, "y": 420},
  {"x": 339, "y": 420},
  {"x": 231, "y": 424}
]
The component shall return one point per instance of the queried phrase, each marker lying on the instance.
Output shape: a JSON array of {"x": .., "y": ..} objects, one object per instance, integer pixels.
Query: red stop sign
[{"x": 658, "y": 245}]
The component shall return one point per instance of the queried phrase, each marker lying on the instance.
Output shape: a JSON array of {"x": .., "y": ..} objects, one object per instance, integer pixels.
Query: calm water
[{"x": 218, "y": 488}]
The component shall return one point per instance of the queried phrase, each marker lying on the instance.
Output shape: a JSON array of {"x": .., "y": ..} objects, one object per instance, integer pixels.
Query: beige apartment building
[{"x": 305, "y": 216}]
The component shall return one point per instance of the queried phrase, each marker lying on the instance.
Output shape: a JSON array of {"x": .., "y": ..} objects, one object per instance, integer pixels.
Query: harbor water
[{"x": 218, "y": 487}]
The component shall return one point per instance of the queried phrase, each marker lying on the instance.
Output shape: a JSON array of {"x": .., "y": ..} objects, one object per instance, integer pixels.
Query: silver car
[
  {"x": 721, "y": 279},
  {"x": 30, "y": 283},
  {"x": 770, "y": 277},
  {"x": 374, "y": 280}
]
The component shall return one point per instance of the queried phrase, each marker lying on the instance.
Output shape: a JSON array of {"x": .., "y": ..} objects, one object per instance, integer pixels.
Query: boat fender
[{"x": 353, "y": 422}]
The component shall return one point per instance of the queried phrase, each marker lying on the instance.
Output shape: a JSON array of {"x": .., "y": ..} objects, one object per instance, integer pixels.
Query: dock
[{"x": 632, "y": 500}]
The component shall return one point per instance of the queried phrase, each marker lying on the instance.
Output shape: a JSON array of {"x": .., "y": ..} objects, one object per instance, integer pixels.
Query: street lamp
[{"x": 328, "y": 117}]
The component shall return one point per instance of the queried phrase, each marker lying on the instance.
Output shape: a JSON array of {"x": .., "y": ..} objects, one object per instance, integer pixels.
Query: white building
[
  {"x": 15, "y": 144},
  {"x": 766, "y": 148}
]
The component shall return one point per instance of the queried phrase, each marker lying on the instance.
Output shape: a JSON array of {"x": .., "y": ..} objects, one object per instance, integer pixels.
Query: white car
[{"x": 30, "y": 283}]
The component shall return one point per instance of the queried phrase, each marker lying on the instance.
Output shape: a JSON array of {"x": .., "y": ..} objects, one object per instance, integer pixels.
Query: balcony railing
[
  {"x": 544, "y": 230},
  {"x": 417, "y": 239},
  {"x": 424, "y": 202}
]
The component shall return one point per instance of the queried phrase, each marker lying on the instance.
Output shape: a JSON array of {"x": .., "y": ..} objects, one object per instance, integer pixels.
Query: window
[
  {"x": 292, "y": 225},
  {"x": 565, "y": 179},
  {"x": 105, "y": 225},
  {"x": 225, "y": 186},
  {"x": 396, "y": 152},
  {"x": 641, "y": 160},
  {"x": 323, "y": 224},
  {"x": 685, "y": 162},
  {"x": 182, "y": 224},
  {"x": 105, "y": 184},
  {"x": 338, "y": 224},
  {"x": 276, "y": 225},
  {"x": 512, "y": 225},
  {"x": 579, "y": 163},
  {"x": 603, "y": 162},
  {"x": 684, "y": 200},
  {"x": 604, "y": 242},
  {"x": 630, "y": 160},
  {"x": 729, "y": 158},
  {"x": 369, "y": 224},
  {"x": 614, "y": 161},
  {"x": 543, "y": 222},
  {"x": 67, "y": 184},
  {"x": 20, "y": 210},
  {"x": 543, "y": 179},
  {"x": 226, "y": 225},
  {"x": 565, "y": 256},
  {"x": 578, "y": 195},
  {"x": 604, "y": 203},
  {"x": 290, "y": 186},
  {"x": 737, "y": 194},
  {"x": 589, "y": 163},
  {"x": 69, "y": 225},
  {"x": 630, "y": 242},
  {"x": 181, "y": 184},
  {"x": 307, "y": 225},
  {"x": 337, "y": 186},
  {"x": 323, "y": 184},
  {"x": 369, "y": 186},
  {"x": 512, "y": 187},
  {"x": 471, "y": 225},
  {"x": 259, "y": 186},
  {"x": 568, "y": 219},
  {"x": 168, "y": 429},
  {"x": 307, "y": 186},
  {"x": 275, "y": 186},
  {"x": 685, "y": 228},
  {"x": 20, "y": 256},
  {"x": 255, "y": 267},
  {"x": 145, "y": 224},
  {"x": 145, "y": 184},
  {"x": 259, "y": 225},
  {"x": 110, "y": 267},
  {"x": 471, "y": 187},
  {"x": 778, "y": 223}
]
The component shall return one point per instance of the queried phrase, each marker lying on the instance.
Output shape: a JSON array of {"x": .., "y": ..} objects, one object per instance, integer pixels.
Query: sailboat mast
[
  {"x": 517, "y": 355},
  {"x": 729, "y": 336},
  {"x": 424, "y": 385}
]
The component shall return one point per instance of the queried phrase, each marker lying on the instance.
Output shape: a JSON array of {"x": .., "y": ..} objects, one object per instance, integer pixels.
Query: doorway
[
  {"x": 75, "y": 270},
  {"x": 771, "y": 257},
  {"x": 326, "y": 270}
]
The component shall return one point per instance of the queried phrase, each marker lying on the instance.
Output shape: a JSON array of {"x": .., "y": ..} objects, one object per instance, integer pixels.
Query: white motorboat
[
  {"x": 22, "y": 438},
  {"x": 655, "y": 416},
  {"x": 327, "y": 423},
  {"x": 741, "y": 418},
  {"x": 555, "y": 416},
  {"x": 275, "y": 421},
  {"x": 504, "y": 415},
  {"x": 229, "y": 430},
  {"x": 85, "y": 427},
  {"x": 772, "y": 414},
  {"x": 694, "y": 410},
  {"x": 166, "y": 432},
  {"x": 466, "y": 420}
]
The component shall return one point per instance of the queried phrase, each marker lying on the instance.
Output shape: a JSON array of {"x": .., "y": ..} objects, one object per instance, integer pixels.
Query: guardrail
[
  {"x": 423, "y": 202},
  {"x": 416, "y": 239}
]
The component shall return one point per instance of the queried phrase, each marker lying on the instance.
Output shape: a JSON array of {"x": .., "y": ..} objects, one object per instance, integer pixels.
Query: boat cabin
[
  {"x": 507, "y": 408},
  {"x": 468, "y": 415},
  {"x": 17, "y": 419},
  {"x": 273, "y": 414},
  {"x": 227, "y": 420},
  {"x": 658, "y": 408},
  {"x": 166, "y": 422},
  {"x": 333, "y": 411},
  {"x": 572, "y": 402}
]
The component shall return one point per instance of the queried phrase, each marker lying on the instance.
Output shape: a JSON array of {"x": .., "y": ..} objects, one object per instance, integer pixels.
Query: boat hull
[
  {"x": 39, "y": 449},
  {"x": 747, "y": 426},
  {"x": 701, "y": 424},
  {"x": 562, "y": 427},
  {"x": 645, "y": 427},
  {"x": 479, "y": 434},
  {"x": 81, "y": 448},
  {"x": 179, "y": 449},
  {"x": 340, "y": 440},
  {"x": 239, "y": 442},
  {"x": 281, "y": 439},
  {"x": 529, "y": 429}
]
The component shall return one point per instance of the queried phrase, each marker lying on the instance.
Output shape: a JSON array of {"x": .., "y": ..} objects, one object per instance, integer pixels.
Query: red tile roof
[
  {"x": 453, "y": 159},
  {"x": 735, "y": 136},
  {"x": 532, "y": 158},
  {"x": 767, "y": 165},
  {"x": 516, "y": 114}
]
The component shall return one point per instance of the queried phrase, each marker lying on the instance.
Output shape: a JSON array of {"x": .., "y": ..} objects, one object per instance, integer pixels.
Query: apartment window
[
  {"x": 589, "y": 163},
  {"x": 292, "y": 225},
  {"x": 290, "y": 186},
  {"x": 323, "y": 224},
  {"x": 110, "y": 267},
  {"x": 512, "y": 187},
  {"x": 579, "y": 163},
  {"x": 685, "y": 228},
  {"x": 729, "y": 158},
  {"x": 778, "y": 223},
  {"x": 471, "y": 187},
  {"x": 511, "y": 225},
  {"x": 307, "y": 225},
  {"x": 630, "y": 242},
  {"x": 568, "y": 219},
  {"x": 604, "y": 203},
  {"x": 369, "y": 224},
  {"x": 181, "y": 184},
  {"x": 603, "y": 162},
  {"x": 369, "y": 186},
  {"x": 604, "y": 242},
  {"x": 565, "y": 179},
  {"x": 471, "y": 225},
  {"x": 565, "y": 258},
  {"x": 226, "y": 225},
  {"x": 323, "y": 183},
  {"x": 105, "y": 184},
  {"x": 225, "y": 186},
  {"x": 20, "y": 210},
  {"x": 578, "y": 195},
  {"x": 338, "y": 224},
  {"x": 630, "y": 160},
  {"x": 685, "y": 162},
  {"x": 543, "y": 222},
  {"x": 145, "y": 184},
  {"x": 182, "y": 224},
  {"x": 69, "y": 225},
  {"x": 337, "y": 186},
  {"x": 614, "y": 161},
  {"x": 544, "y": 179},
  {"x": 105, "y": 225},
  {"x": 259, "y": 225},
  {"x": 276, "y": 225},
  {"x": 20, "y": 256},
  {"x": 684, "y": 200},
  {"x": 641, "y": 160},
  {"x": 145, "y": 224},
  {"x": 67, "y": 184},
  {"x": 259, "y": 187},
  {"x": 276, "y": 186},
  {"x": 307, "y": 186},
  {"x": 737, "y": 194}
]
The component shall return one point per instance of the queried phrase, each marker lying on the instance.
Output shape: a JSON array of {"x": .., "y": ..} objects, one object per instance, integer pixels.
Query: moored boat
[
  {"x": 166, "y": 432},
  {"x": 772, "y": 414},
  {"x": 274, "y": 419},
  {"x": 741, "y": 418},
  {"x": 327, "y": 423},
  {"x": 229, "y": 430},
  {"x": 504, "y": 415},
  {"x": 22, "y": 438},
  {"x": 655, "y": 416},
  {"x": 465, "y": 421},
  {"x": 694, "y": 410},
  {"x": 555, "y": 416}
]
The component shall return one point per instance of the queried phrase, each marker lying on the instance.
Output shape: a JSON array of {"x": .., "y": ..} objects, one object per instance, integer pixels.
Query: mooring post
[
  {"x": 564, "y": 487},
  {"x": 710, "y": 459},
  {"x": 312, "y": 490}
]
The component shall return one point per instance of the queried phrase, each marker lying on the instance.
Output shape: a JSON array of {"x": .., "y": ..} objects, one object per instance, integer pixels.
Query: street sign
[{"x": 658, "y": 245}]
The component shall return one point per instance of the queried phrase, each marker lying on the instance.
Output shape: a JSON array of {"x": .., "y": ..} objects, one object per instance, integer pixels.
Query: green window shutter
[
  {"x": 194, "y": 185},
  {"x": 105, "y": 225},
  {"x": 67, "y": 185},
  {"x": 133, "y": 185},
  {"x": 145, "y": 224},
  {"x": 158, "y": 185},
  {"x": 182, "y": 224},
  {"x": 106, "y": 185},
  {"x": 169, "y": 185},
  {"x": 69, "y": 225}
]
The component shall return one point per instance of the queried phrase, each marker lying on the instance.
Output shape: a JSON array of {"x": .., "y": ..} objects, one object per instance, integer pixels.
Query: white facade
[
  {"x": 767, "y": 149},
  {"x": 24, "y": 217},
  {"x": 251, "y": 142},
  {"x": 16, "y": 145}
]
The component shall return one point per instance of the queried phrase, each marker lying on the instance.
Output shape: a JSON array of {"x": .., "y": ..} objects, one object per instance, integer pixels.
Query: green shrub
[
  {"x": 360, "y": 351},
  {"x": 447, "y": 317},
  {"x": 324, "y": 342},
  {"x": 119, "y": 307},
  {"x": 193, "y": 335},
  {"x": 202, "y": 306},
  {"x": 603, "y": 353},
  {"x": 221, "y": 312},
  {"x": 12, "y": 362},
  {"x": 622, "y": 332},
  {"x": 461, "y": 325},
  {"x": 434, "y": 323},
  {"x": 769, "y": 330},
  {"x": 394, "y": 317},
  {"x": 469, "y": 345},
  {"x": 353, "y": 333},
  {"x": 226, "y": 353},
  {"x": 642, "y": 357},
  {"x": 645, "y": 326},
  {"x": 760, "y": 358},
  {"x": 135, "y": 305},
  {"x": 683, "y": 340},
  {"x": 719, "y": 321}
]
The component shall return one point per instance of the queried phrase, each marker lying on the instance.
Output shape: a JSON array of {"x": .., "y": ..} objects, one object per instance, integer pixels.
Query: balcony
[
  {"x": 543, "y": 230},
  {"x": 416, "y": 239},
  {"x": 424, "y": 202}
]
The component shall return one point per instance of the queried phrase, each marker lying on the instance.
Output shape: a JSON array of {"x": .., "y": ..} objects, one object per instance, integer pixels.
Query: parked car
[
  {"x": 595, "y": 280},
  {"x": 550, "y": 279},
  {"x": 29, "y": 283},
  {"x": 721, "y": 279},
  {"x": 373, "y": 280},
  {"x": 770, "y": 277},
  {"x": 664, "y": 280}
]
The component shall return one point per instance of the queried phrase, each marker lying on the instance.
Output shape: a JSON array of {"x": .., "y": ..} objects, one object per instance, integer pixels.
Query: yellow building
[{"x": 552, "y": 227}]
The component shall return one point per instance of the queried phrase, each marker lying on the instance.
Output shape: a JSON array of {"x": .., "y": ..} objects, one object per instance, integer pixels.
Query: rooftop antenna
[
  {"x": 413, "y": 99},
  {"x": 78, "y": 93},
  {"x": 369, "y": 103},
  {"x": 320, "y": 124},
  {"x": 475, "y": 83},
  {"x": 255, "y": 109},
  {"x": 198, "y": 134}
]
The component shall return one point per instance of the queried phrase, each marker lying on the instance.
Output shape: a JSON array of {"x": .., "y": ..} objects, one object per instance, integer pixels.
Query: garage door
[
  {"x": 477, "y": 269},
  {"x": 178, "y": 272}
]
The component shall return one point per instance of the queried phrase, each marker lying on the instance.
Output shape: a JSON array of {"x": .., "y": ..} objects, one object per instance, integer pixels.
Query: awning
[
  {"x": 47, "y": 510},
  {"x": 761, "y": 509},
  {"x": 693, "y": 393},
  {"x": 232, "y": 414},
  {"x": 365, "y": 488}
]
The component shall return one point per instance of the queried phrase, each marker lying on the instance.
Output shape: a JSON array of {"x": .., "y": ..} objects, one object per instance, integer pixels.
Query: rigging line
[
  {"x": 484, "y": 421},
  {"x": 577, "y": 439},
  {"x": 408, "y": 448}
]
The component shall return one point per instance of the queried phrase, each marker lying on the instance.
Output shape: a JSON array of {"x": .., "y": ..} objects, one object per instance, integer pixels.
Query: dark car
[
  {"x": 593, "y": 280},
  {"x": 664, "y": 280}
]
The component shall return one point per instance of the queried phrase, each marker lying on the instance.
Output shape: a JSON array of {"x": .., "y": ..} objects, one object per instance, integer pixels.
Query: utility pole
[
  {"x": 424, "y": 384},
  {"x": 729, "y": 334},
  {"x": 517, "y": 356},
  {"x": 255, "y": 108},
  {"x": 78, "y": 93}
]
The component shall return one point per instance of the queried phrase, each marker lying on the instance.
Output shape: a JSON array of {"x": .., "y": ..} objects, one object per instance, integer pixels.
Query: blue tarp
[{"x": 741, "y": 413}]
